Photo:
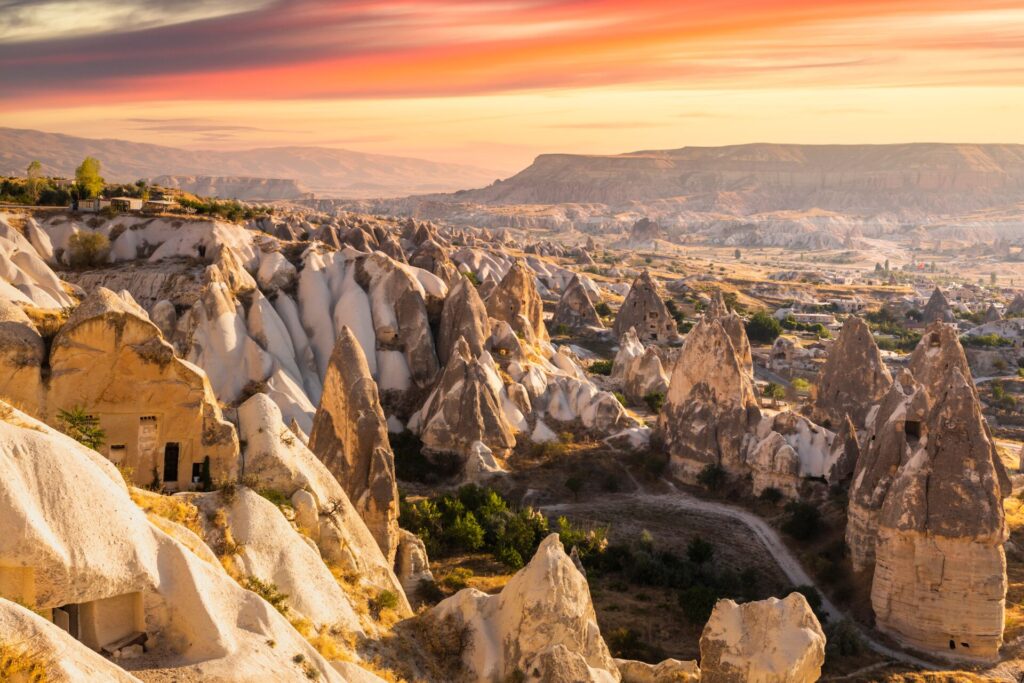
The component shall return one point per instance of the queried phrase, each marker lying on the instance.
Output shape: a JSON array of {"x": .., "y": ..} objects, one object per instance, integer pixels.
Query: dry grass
[
  {"x": 8, "y": 415},
  {"x": 22, "y": 664},
  {"x": 169, "y": 507},
  {"x": 46, "y": 321}
]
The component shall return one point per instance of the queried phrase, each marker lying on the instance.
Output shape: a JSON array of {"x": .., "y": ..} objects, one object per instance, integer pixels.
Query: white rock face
[
  {"x": 24, "y": 276},
  {"x": 767, "y": 641},
  {"x": 280, "y": 461},
  {"x": 62, "y": 657},
  {"x": 412, "y": 563},
  {"x": 71, "y": 535},
  {"x": 543, "y": 619}
]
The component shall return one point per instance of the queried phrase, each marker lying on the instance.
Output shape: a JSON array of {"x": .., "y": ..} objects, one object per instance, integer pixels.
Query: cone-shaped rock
[
  {"x": 1016, "y": 307},
  {"x": 734, "y": 326},
  {"x": 433, "y": 258},
  {"x": 992, "y": 314},
  {"x": 464, "y": 315},
  {"x": 895, "y": 428},
  {"x": 854, "y": 377},
  {"x": 938, "y": 309},
  {"x": 940, "y": 568},
  {"x": 515, "y": 300},
  {"x": 350, "y": 436},
  {"x": 710, "y": 405},
  {"x": 465, "y": 409},
  {"x": 575, "y": 309},
  {"x": 846, "y": 452},
  {"x": 645, "y": 311},
  {"x": 934, "y": 357}
]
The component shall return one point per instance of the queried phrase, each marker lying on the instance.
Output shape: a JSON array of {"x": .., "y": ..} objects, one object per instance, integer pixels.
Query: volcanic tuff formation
[
  {"x": 645, "y": 311},
  {"x": 575, "y": 309},
  {"x": 350, "y": 436},
  {"x": 854, "y": 378}
]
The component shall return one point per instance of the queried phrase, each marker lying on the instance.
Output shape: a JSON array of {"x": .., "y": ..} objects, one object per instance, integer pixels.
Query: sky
[{"x": 493, "y": 83}]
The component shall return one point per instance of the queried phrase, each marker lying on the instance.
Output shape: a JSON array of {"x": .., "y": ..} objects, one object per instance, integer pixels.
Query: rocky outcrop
[
  {"x": 940, "y": 568},
  {"x": 938, "y": 309},
  {"x": 350, "y": 436},
  {"x": 412, "y": 564},
  {"x": 645, "y": 311},
  {"x": 433, "y": 258},
  {"x": 854, "y": 378},
  {"x": 992, "y": 314},
  {"x": 280, "y": 462},
  {"x": 735, "y": 327},
  {"x": 543, "y": 621},
  {"x": 934, "y": 357},
  {"x": 710, "y": 406},
  {"x": 895, "y": 427},
  {"x": 845, "y": 455},
  {"x": 575, "y": 310},
  {"x": 162, "y": 421},
  {"x": 24, "y": 276},
  {"x": 73, "y": 542},
  {"x": 515, "y": 300},
  {"x": 665, "y": 671},
  {"x": 1016, "y": 307},
  {"x": 464, "y": 315},
  {"x": 771, "y": 641},
  {"x": 467, "y": 413}
]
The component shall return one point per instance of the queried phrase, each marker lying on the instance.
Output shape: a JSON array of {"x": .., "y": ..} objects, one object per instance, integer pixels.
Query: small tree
[
  {"x": 87, "y": 177},
  {"x": 712, "y": 477},
  {"x": 33, "y": 184},
  {"x": 737, "y": 254},
  {"x": 574, "y": 484},
  {"x": 82, "y": 427},
  {"x": 763, "y": 328},
  {"x": 774, "y": 392},
  {"x": 88, "y": 249}
]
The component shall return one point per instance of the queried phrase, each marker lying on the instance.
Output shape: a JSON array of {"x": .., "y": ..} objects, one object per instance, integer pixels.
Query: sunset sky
[{"x": 493, "y": 83}]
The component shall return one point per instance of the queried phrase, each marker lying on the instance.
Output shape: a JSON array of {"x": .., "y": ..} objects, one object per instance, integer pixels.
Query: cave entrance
[{"x": 171, "y": 453}]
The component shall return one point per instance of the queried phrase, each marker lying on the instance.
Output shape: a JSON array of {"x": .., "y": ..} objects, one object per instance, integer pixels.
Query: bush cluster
[{"x": 763, "y": 328}]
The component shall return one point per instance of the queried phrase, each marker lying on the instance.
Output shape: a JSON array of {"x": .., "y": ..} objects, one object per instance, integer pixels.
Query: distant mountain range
[
  {"x": 742, "y": 179},
  {"x": 323, "y": 171}
]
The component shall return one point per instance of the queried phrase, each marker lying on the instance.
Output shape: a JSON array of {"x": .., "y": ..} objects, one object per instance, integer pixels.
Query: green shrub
[
  {"x": 87, "y": 249},
  {"x": 82, "y": 427},
  {"x": 991, "y": 340},
  {"x": 603, "y": 309},
  {"x": 697, "y": 602},
  {"x": 466, "y": 532},
  {"x": 601, "y": 367},
  {"x": 562, "y": 330},
  {"x": 699, "y": 551},
  {"x": 268, "y": 591},
  {"x": 458, "y": 578},
  {"x": 620, "y": 397},
  {"x": 803, "y": 521},
  {"x": 655, "y": 401},
  {"x": 712, "y": 477}
]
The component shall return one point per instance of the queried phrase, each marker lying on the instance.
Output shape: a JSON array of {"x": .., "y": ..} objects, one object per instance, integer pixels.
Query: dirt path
[{"x": 680, "y": 501}]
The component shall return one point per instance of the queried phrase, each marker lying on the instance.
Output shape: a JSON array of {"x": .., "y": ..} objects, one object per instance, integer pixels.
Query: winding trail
[{"x": 680, "y": 501}]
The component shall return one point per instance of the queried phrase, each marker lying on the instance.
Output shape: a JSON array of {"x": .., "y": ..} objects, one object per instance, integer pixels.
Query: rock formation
[
  {"x": 665, "y": 671},
  {"x": 940, "y": 570},
  {"x": 412, "y": 565},
  {"x": 575, "y": 310},
  {"x": 542, "y": 622},
  {"x": 845, "y": 455},
  {"x": 350, "y": 436},
  {"x": 644, "y": 310},
  {"x": 992, "y": 314},
  {"x": 770, "y": 641},
  {"x": 515, "y": 301},
  {"x": 467, "y": 413},
  {"x": 280, "y": 462},
  {"x": 710, "y": 406},
  {"x": 854, "y": 378},
  {"x": 934, "y": 357},
  {"x": 464, "y": 315},
  {"x": 433, "y": 258},
  {"x": 645, "y": 376},
  {"x": 938, "y": 309},
  {"x": 734, "y": 326},
  {"x": 1016, "y": 307},
  {"x": 162, "y": 421},
  {"x": 894, "y": 430},
  {"x": 76, "y": 549}
]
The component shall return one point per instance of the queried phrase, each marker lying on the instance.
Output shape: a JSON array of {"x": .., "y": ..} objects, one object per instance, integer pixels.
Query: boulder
[
  {"x": 575, "y": 310},
  {"x": 854, "y": 378},
  {"x": 515, "y": 300},
  {"x": 769, "y": 641},
  {"x": 940, "y": 567},
  {"x": 350, "y": 436},
  {"x": 542, "y": 624},
  {"x": 412, "y": 564},
  {"x": 644, "y": 310},
  {"x": 665, "y": 671}
]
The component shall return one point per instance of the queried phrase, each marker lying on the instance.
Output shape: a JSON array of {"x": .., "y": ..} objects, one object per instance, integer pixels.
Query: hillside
[
  {"x": 741, "y": 179},
  {"x": 326, "y": 172},
  {"x": 234, "y": 187}
]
